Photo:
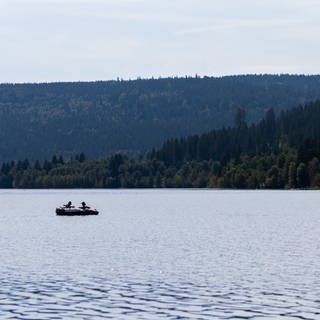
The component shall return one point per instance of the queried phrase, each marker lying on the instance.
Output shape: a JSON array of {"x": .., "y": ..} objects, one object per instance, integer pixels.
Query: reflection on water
[
  {"x": 122, "y": 299},
  {"x": 161, "y": 254}
]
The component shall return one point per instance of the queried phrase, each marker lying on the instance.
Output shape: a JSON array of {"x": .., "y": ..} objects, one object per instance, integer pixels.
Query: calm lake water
[{"x": 161, "y": 254}]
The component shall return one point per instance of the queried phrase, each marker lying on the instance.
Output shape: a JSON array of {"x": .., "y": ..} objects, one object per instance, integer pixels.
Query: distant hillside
[
  {"x": 278, "y": 152},
  {"x": 100, "y": 118},
  {"x": 296, "y": 128}
]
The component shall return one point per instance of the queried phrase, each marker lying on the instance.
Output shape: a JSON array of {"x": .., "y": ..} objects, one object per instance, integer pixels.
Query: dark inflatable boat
[{"x": 62, "y": 211}]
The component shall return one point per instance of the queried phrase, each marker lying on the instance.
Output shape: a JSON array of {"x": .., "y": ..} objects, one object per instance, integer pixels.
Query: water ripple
[
  {"x": 123, "y": 299},
  {"x": 161, "y": 255}
]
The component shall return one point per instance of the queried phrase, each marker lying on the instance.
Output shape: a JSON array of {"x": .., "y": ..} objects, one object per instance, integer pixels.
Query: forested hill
[
  {"x": 100, "y": 118},
  {"x": 279, "y": 152},
  {"x": 297, "y": 128}
]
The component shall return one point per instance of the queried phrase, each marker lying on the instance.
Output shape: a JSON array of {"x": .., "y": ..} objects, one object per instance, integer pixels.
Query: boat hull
[{"x": 76, "y": 212}]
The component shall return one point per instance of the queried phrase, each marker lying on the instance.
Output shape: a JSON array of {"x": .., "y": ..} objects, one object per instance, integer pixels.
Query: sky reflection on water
[{"x": 153, "y": 254}]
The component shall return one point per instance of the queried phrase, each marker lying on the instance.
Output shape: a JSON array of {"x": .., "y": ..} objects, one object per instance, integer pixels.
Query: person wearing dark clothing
[
  {"x": 68, "y": 205},
  {"x": 84, "y": 205}
]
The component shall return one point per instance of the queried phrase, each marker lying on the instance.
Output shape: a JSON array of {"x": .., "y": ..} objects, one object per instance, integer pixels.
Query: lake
[{"x": 160, "y": 254}]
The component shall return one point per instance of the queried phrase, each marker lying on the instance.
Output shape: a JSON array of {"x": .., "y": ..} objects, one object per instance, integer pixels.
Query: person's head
[
  {"x": 69, "y": 203},
  {"x": 83, "y": 203}
]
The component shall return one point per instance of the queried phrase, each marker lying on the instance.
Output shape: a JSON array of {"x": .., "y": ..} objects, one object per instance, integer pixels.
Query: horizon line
[{"x": 139, "y": 78}]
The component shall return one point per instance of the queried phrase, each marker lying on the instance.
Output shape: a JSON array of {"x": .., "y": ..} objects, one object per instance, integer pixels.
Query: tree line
[{"x": 279, "y": 152}]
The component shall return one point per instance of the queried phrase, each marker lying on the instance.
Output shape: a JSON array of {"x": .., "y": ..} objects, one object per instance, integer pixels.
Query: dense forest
[
  {"x": 102, "y": 118},
  {"x": 278, "y": 152}
]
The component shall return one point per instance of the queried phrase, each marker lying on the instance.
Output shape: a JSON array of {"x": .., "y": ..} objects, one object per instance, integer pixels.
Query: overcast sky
[{"x": 62, "y": 40}]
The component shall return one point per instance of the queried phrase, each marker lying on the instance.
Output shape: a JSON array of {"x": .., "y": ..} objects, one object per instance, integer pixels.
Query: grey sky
[{"x": 62, "y": 40}]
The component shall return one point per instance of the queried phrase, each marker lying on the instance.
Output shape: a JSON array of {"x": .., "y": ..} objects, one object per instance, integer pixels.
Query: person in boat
[
  {"x": 68, "y": 205},
  {"x": 84, "y": 205}
]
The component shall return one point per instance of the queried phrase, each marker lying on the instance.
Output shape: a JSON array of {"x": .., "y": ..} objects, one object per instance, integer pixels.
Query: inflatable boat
[{"x": 63, "y": 211}]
